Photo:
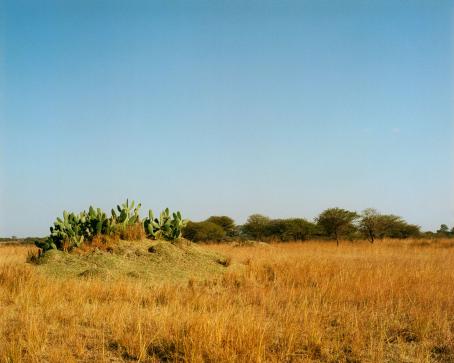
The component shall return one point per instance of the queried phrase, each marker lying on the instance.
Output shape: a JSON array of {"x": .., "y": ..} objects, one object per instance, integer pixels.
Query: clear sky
[{"x": 283, "y": 108}]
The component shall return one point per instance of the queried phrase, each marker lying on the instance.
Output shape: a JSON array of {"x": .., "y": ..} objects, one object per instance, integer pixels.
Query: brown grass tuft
[{"x": 134, "y": 232}]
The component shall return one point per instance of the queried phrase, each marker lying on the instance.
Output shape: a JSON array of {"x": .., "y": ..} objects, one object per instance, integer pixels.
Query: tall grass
[{"x": 298, "y": 302}]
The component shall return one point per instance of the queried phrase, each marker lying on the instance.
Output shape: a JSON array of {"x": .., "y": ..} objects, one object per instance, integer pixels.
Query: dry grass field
[{"x": 301, "y": 302}]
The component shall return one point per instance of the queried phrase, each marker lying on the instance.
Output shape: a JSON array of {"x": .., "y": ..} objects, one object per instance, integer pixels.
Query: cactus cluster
[
  {"x": 75, "y": 229},
  {"x": 128, "y": 215},
  {"x": 98, "y": 223},
  {"x": 165, "y": 227},
  {"x": 66, "y": 233}
]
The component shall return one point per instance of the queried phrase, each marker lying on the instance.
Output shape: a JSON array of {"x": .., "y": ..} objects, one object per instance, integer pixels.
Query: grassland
[{"x": 299, "y": 302}]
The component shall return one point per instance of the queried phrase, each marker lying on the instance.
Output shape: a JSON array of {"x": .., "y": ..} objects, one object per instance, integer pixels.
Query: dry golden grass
[
  {"x": 299, "y": 302},
  {"x": 132, "y": 233}
]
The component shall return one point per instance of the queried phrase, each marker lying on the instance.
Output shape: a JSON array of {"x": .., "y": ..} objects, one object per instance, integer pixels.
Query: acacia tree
[
  {"x": 369, "y": 223},
  {"x": 444, "y": 230},
  {"x": 375, "y": 225},
  {"x": 393, "y": 226},
  {"x": 256, "y": 226},
  {"x": 336, "y": 222}
]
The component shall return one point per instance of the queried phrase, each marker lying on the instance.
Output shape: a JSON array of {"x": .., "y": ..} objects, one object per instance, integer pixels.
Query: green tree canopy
[
  {"x": 256, "y": 226},
  {"x": 336, "y": 222},
  {"x": 227, "y": 223},
  {"x": 291, "y": 229},
  {"x": 393, "y": 226},
  {"x": 444, "y": 230},
  {"x": 203, "y": 232},
  {"x": 369, "y": 224}
]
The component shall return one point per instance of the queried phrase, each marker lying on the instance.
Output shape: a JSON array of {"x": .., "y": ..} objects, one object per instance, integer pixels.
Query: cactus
[
  {"x": 65, "y": 233},
  {"x": 72, "y": 230},
  {"x": 98, "y": 223},
  {"x": 46, "y": 245},
  {"x": 128, "y": 215},
  {"x": 150, "y": 226},
  {"x": 164, "y": 227},
  {"x": 178, "y": 223}
]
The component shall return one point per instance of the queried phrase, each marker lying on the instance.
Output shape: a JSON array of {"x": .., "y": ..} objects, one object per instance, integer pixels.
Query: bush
[
  {"x": 293, "y": 229},
  {"x": 262, "y": 228},
  {"x": 227, "y": 224},
  {"x": 203, "y": 232},
  {"x": 256, "y": 227}
]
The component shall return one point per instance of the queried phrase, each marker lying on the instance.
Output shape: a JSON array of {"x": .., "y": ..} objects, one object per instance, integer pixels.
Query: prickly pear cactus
[
  {"x": 128, "y": 215},
  {"x": 164, "y": 227},
  {"x": 72, "y": 230}
]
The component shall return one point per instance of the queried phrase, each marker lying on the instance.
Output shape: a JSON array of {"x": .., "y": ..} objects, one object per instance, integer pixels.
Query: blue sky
[{"x": 283, "y": 108}]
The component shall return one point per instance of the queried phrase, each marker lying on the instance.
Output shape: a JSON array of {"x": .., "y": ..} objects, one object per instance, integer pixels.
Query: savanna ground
[{"x": 299, "y": 302}]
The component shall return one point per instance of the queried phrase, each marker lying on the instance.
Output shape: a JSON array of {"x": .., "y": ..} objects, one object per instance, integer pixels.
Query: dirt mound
[{"x": 154, "y": 261}]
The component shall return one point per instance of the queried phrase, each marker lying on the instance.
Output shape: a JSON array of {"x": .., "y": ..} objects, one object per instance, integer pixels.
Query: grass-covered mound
[{"x": 151, "y": 261}]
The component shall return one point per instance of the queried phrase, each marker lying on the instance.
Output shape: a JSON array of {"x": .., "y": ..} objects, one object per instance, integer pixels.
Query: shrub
[
  {"x": 292, "y": 229},
  {"x": 227, "y": 224},
  {"x": 203, "y": 232},
  {"x": 256, "y": 226},
  {"x": 262, "y": 228}
]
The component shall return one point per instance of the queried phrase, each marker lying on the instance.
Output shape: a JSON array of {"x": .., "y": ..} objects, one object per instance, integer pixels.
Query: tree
[
  {"x": 369, "y": 224},
  {"x": 256, "y": 226},
  {"x": 444, "y": 230},
  {"x": 298, "y": 229},
  {"x": 291, "y": 229},
  {"x": 203, "y": 232},
  {"x": 375, "y": 225},
  {"x": 392, "y": 226},
  {"x": 336, "y": 222},
  {"x": 227, "y": 224}
]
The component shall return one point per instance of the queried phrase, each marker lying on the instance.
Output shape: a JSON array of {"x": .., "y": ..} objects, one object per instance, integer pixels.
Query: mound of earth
[{"x": 155, "y": 261}]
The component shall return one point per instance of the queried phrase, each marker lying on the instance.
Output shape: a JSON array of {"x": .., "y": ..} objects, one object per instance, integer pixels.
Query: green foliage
[
  {"x": 375, "y": 225},
  {"x": 74, "y": 229},
  {"x": 444, "y": 231},
  {"x": 369, "y": 224},
  {"x": 66, "y": 233},
  {"x": 177, "y": 226},
  {"x": 165, "y": 227},
  {"x": 392, "y": 226},
  {"x": 337, "y": 222},
  {"x": 204, "y": 232},
  {"x": 98, "y": 223},
  {"x": 128, "y": 215},
  {"x": 227, "y": 224},
  {"x": 292, "y": 229},
  {"x": 150, "y": 226},
  {"x": 213, "y": 229},
  {"x": 256, "y": 226}
]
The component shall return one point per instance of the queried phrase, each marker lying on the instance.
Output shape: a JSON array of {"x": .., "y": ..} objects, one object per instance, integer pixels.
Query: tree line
[{"x": 332, "y": 223}]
